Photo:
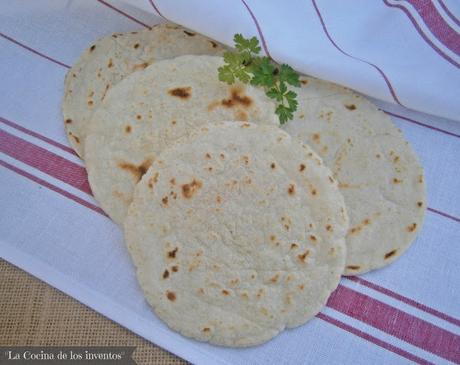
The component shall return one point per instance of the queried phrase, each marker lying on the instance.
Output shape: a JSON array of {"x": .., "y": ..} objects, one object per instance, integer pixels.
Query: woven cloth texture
[{"x": 33, "y": 313}]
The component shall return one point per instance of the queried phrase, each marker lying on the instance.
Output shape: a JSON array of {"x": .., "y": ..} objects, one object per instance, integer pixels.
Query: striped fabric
[{"x": 51, "y": 226}]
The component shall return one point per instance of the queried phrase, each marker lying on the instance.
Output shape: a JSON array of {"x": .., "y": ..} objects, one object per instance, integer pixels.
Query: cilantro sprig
[{"x": 246, "y": 66}]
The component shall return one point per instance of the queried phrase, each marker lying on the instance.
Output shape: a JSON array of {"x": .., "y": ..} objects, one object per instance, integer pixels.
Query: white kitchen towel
[
  {"x": 51, "y": 226},
  {"x": 402, "y": 51}
]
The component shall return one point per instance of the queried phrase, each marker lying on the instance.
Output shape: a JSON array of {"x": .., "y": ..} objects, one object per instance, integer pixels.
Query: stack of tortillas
[{"x": 238, "y": 229}]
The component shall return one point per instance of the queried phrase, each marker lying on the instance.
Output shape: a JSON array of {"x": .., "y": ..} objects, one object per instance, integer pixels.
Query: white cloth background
[{"x": 51, "y": 227}]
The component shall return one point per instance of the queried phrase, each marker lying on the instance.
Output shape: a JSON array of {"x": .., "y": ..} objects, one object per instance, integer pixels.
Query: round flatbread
[
  {"x": 237, "y": 233},
  {"x": 379, "y": 175},
  {"x": 110, "y": 59},
  {"x": 149, "y": 110}
]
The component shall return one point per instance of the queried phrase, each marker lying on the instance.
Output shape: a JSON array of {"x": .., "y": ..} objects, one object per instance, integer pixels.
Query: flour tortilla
[
  {"x": 149, "y": 110},
  {"x": 110, "y": 59},
  {"x": 237, "y": 233},
  {"x": 379, "y": 174}
]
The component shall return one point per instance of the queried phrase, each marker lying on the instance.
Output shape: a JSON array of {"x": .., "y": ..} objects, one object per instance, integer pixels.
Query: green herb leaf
[
  {"x": 226, "y": 74},
  {"x": 246, "y": 66},
  {"x": 274, "y": 93},
  {"x": 290, "y": 97},
  {"x": 284, "y": 113},
  {"x": 288, "y": 74},
  {"x": 263, "y": 73},
  {"x": 243, "y": 44}
]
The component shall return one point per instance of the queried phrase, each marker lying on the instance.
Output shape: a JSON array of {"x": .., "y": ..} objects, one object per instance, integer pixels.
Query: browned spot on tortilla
[
  {"x": 353, "y": 267},
  {"x": 165, "y": 274},
  {"x": 354, "y": 230},
  {"x": 294, "y": 246},
  {"x": 302, "y": 167},
  {"x": 92, "y": 48},
  {"x": 136, "y": 171},
  {"x": 397, "y": 181},
  {"x": 412, "y": 227},
  {"x": 304, "y": 256},
  {"x": 200, "y": 291},
  {"x": 312, "y": 237},
  {"x": 301, "y": 286},
  {"x": 329, "y": 228},
  {"x": 291, "y": 189},
  {"x": 77, "y": 140},
  {"x": 234, "y": 282},
  {"x": 172, "y": 254},
  {"x": 350, "y": 106},
  {"x": 207, "y": 155},
  {"x": 110, "y": 63},
  {"x": 136, "y": 46},
  {"x": 153, "y": 180},
  {"x": 237, "y": 98},
  {"x": 165, "y": 200},
  {"x": 191, "y": 34},
  {"x": 222, "y": 156},
  {"x": 313, "y": 192},
  {"x": 366, "y": 221},
  {"x": 304, "y": 82},
  {"x": 225, "y": 292},
  {"x": 90, "y": 103},
  {"x": 68, "y": 121},
  {"x": 272, "y": 165},
  {"x": 419, "y": 204},
  {"x": 378, "y": 155},
  {"x": 206, "y": 329},
  {"x": 181, "y": 92},
  {"x": 128, "y": 129},
  {"x": 241, "y": 115},
  {"x": 173, "y": 181},
  {"x": 272, "y": 237},
  {"x": 244, "y": 295},
  {"x": 245, "y": 160},
  {"x": 188, "y": 190},
  {"x": 420, "y": 179},
  {"x": 316, "y": 137},
  {"x": 331, "y": 179},
  {"x": 138, "y": 117},
  {"x": 173, "y": 122},
  {"x": 175, "y": 268},
  {"x": 105, "y": 91},
  {"x": 171, "y": 295},
  {"x": 389, "y": 254},
  {"x": 140, "y": 66},
  {"x": 274, "y": 279},
  {"x": 218, "y": 199}
]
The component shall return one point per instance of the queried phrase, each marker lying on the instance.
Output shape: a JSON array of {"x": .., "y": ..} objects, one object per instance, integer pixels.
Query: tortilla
[
  {"x": 149, "y": 110},
  {"x": 237, "y": 233},
  {"x": 110, "y": 59},
  {"x": 380, "y": 176}
]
